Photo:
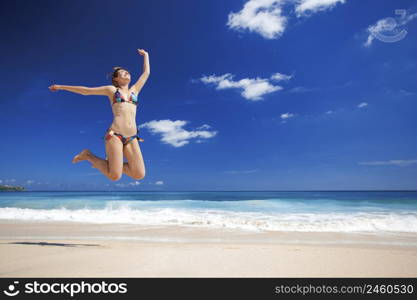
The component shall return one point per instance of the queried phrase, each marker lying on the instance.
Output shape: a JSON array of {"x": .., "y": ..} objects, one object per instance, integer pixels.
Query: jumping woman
[{"x": 121, "y": 138}]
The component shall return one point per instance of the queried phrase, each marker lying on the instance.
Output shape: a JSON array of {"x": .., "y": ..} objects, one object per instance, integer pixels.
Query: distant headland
[{"x": 4, "y": 188}]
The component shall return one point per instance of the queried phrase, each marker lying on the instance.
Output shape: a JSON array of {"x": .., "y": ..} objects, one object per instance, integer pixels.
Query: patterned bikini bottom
[{"x": 125, "y": 139}]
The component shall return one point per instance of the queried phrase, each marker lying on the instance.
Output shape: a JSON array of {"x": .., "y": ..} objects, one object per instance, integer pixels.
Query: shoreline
[
  {"x": 66, "y": 249},
  {"x": 61, "y": 230}
]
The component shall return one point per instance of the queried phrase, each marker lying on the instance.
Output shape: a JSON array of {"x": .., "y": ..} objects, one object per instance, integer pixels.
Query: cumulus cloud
[
  {"x": 388, "y": 29},
  {"x": 29, "y": 182},
  {"x": 204, "y": 126},
  {"x": 261, "y": 16},
  {"x": 309, "y": 7},
  {"x": 400, "y": 163},
  {"x": 135, "y": 183},
  {"x": 267, "y": 17},
  {"x": 160, "y": 182},
  {"x": 286, "y": 116},
  {"x": 173, "y": 133},
  {"x": 363, "y": 104},
  {"x": 279, "y": 77},
  {"x": 252, "y": 88},
  {"x": 329, "y": 112}
]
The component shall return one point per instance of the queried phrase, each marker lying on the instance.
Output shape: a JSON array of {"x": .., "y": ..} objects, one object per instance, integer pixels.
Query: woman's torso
[{"x": 124, "y": 114}]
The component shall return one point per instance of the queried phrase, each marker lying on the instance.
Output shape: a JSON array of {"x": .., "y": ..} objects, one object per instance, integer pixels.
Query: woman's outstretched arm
[
  {"x": 83, "y": 90},
  {"x": 146, "y": 71},
  {"x": 146, "y": 65}
]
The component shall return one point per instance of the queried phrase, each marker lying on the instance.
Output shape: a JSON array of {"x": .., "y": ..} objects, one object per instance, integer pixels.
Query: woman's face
[{"x": 123, "y": 76}]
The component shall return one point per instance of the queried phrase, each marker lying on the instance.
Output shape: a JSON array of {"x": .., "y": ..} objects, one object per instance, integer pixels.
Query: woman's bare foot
[{"x": 83, "y": 155}]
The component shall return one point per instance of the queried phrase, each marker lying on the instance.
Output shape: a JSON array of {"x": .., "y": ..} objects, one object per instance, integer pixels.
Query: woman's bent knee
[
  {"x": 115, "y": 176},
  {"x": 138, "y": 175}
]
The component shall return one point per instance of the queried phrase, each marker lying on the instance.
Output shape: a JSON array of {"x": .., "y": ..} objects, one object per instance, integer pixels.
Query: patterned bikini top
[{"x": 117, "y": 98}]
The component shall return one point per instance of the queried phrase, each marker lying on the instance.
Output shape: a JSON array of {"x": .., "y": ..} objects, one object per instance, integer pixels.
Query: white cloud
[
  {"x": 29, "y": 182},
  {"x": 305, "y": 7},
  {"x": 267, "y": 17},
  {"x": 1, "y": 181},
  {"x": 252, "y": 89},
  {"x": 260, "y": 16},
  {"x": 388, "y": 29},
  {"x": 135, "y": 183},
  {"x": 173, "y": 133},
  {"x": 363, "y": 104},
  {"x": 160, "y": 182},
  {"x": 329, "y": 112},
  {"x": 205, "y": 126},
  {"x": 286, "y": 116},
  {"x": 279, "y": 76},
  {"x": 400, "y": 163}
]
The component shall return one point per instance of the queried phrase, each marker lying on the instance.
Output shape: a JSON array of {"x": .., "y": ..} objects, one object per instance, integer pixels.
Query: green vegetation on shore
[{"x": 11, "y": 188}]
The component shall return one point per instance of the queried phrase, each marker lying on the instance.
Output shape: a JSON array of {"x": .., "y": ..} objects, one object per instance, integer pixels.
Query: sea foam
[{"x": 378, "y": 222}]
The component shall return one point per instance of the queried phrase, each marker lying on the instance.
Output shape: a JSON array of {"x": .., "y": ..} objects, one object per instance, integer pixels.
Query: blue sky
[{"x": 243, "y": 95}]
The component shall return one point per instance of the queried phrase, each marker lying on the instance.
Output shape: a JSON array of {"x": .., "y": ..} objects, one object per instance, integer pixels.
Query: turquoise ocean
[{"x": 308, "y": 211}]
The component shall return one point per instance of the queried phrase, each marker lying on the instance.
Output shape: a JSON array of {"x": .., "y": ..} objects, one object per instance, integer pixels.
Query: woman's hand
[
  {"x": 54, "y": 87},
  {"x": 142, "y": 52}
]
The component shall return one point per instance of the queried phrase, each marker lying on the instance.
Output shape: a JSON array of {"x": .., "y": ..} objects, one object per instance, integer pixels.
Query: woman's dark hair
[{"x": 114, "y": 74}]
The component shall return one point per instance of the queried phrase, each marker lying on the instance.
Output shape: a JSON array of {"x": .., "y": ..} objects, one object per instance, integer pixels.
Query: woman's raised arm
[
  {"x": 83, "y": 90},
  {"x": 146, "y": 72}
]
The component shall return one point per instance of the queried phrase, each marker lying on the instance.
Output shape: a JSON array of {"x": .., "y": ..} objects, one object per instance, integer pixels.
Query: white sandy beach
[{"x": 63, "y": 249}]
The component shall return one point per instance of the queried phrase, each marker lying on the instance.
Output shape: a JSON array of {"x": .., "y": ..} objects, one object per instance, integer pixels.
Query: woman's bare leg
[
  {"x": 96, "y": 162},
  {"x": 136, "y": 165},
  {"x": 126, "y": 169},
  {"x": 103, "y": 164},
  {"x": 99, "y": 163},
  {"x": 112, "y": 168}
]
